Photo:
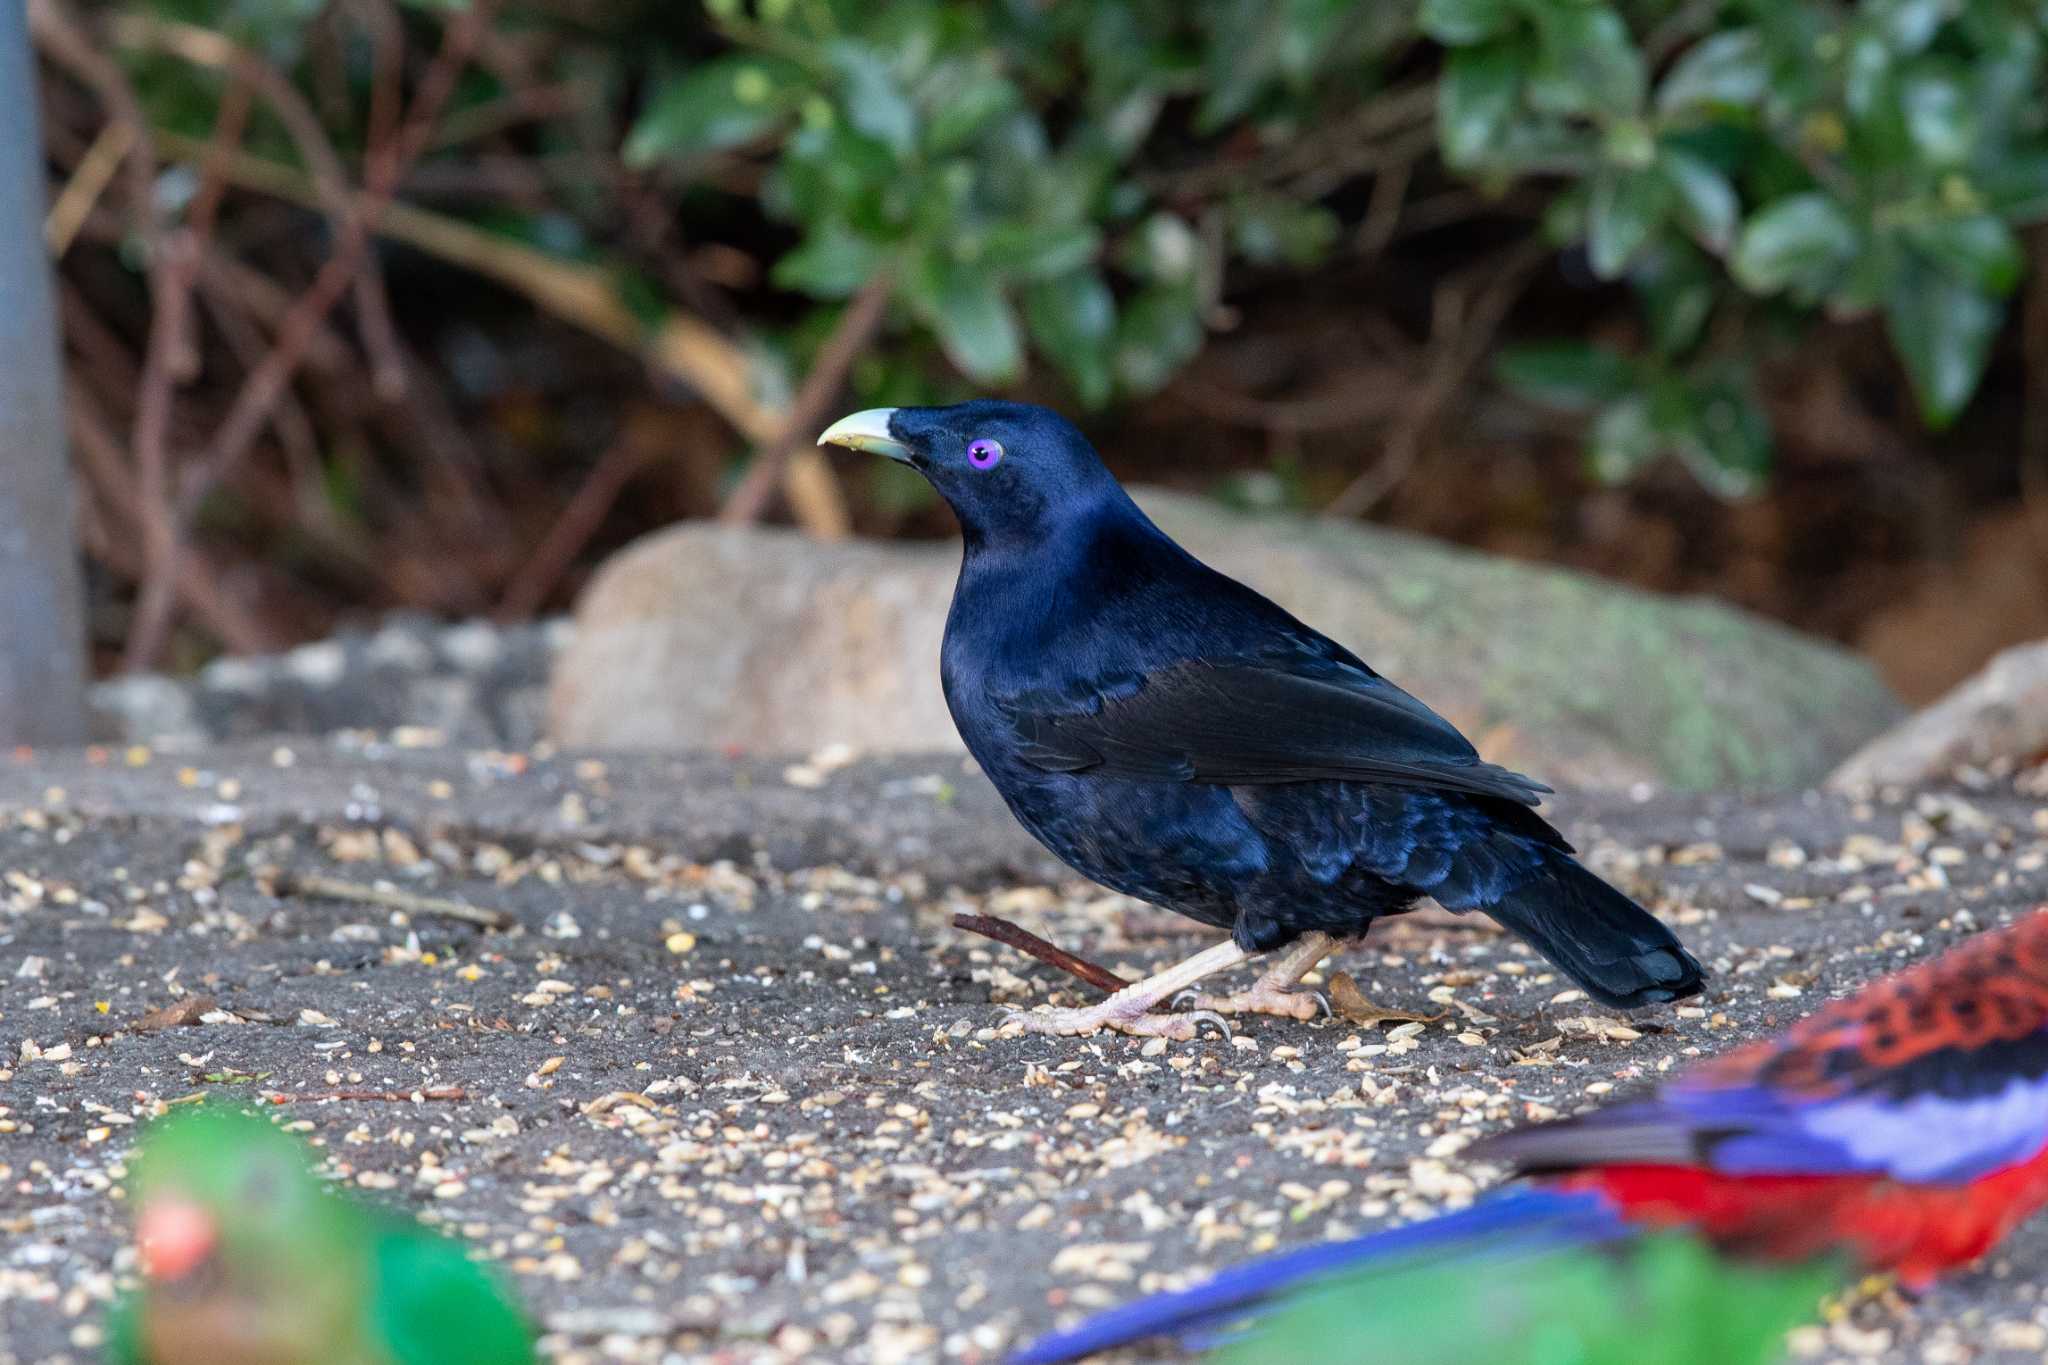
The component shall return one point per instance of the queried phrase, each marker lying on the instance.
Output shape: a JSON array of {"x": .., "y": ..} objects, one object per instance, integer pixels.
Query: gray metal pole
[{"x": 42, "y": 634}]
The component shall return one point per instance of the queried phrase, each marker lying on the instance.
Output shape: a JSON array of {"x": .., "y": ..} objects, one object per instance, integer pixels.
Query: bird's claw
[
  {"x": 1070, "y": 1022},
  {"x": 1288, "y": 1004}
]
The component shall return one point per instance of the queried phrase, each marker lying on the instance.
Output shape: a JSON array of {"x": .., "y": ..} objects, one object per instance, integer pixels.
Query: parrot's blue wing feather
[{"x": 1212, "y": 1309}]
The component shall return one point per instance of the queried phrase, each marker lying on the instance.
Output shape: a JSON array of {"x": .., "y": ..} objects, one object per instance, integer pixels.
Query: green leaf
[
  {"x": 1572, "y": 376},
  {"x": 2017, "y": 186},
  {"x": 1723, "y": 436},
  {"x": 1476, "y": 98},
  {"x": 1036, "y": 252},
  {"x": 1907, "y": 25},
  {"x": 1164, "y": 249},
  {"x": 1586, "y": 62},
  {"x": 1865, "y": 73},
  {"x": 1801, "y": 243},
  {"x": 874, "y": 103},
  {"x": 1269, "y": 230},
  {"x": 969, "y": 314},
  {"x": 981, "y": 98},
  {"x": 1706, "y": 201},
  {"x": 1978, "y": 251},
  {"x": 1727, "y": 69},
  {"x": 719, "y": 104},
  {"x": 1625, "y": 209},
  {"x": 1943, "y": 331},
  {"x": 1073, "y": 320},
  {"x": 1678, "y": 290},
  {"x": 1160, "y": 331},
  {"x": 1941, "y": 117},
  {"x": 1622, "y": 440},
  {"x": 832, "y": 262},
  {"x": 1460, "y": 23}
]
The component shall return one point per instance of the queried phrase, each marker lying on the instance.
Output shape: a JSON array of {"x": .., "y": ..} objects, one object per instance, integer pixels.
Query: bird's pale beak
[
  {"x": 174, "y": 1237},
  {"x": 867, "y": 431}
]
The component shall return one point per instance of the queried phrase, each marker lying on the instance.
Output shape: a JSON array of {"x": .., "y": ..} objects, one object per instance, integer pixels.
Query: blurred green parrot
[
  {"x": 1662, "y": 1299},
  {"x": 247, "y": 1258}
]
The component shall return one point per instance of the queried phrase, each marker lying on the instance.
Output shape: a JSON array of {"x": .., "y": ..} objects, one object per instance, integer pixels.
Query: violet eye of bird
[{"x": 983, "y": 453}]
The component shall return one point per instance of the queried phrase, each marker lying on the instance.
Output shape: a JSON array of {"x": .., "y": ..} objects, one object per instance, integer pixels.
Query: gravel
[
  {"x": 729, "y": 1087},
  {"x": 469, "y": 682}
]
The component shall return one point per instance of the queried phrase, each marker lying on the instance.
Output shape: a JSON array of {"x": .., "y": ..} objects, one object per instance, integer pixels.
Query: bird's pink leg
[
  {"x": 1274, "y": 993},
  {"x": 1130, "y": 1010}
]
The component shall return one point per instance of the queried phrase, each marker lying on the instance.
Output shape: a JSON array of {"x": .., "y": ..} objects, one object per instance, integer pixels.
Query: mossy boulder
[{"x": 705, "y": 636}]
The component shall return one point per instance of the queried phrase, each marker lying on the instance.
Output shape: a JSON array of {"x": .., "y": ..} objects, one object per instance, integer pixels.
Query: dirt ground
[{"x": 728, "y": 1088}]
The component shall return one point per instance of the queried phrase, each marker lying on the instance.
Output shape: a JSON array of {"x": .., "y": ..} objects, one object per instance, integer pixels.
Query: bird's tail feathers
[
  {"x": 1518, "y": 1221},
  {"x": 1618, "y": 952}
]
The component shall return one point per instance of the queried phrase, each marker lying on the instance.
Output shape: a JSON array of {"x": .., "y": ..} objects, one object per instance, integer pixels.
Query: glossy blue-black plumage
[{"x": 1176, "y": 736}]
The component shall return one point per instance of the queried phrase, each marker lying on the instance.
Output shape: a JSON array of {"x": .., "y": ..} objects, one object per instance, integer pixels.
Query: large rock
[
  {"x": 708, "y": 636},
  {"x": 1999, "y": 717}
]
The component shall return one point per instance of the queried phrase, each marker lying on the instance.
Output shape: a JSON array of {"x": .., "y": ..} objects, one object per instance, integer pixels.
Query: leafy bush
[{"x": 1074, "y": 179}]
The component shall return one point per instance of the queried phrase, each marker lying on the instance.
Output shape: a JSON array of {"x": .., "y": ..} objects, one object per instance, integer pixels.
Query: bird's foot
[
  {"x": 1107, "y": 1015},
  {"x": 1260, "y": 999}
]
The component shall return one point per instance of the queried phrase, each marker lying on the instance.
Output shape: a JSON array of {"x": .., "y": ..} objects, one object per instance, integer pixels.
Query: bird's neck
[{"x": 1019, "y": 593}]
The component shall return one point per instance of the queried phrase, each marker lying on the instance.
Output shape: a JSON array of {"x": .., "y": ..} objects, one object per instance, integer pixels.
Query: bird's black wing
[{"x": 1249, "y": 723}]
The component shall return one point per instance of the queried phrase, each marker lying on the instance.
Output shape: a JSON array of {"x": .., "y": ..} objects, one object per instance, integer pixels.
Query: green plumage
[
  {"x": 298, "y": 1274},
  {"x": 1666, "y": 1299}
]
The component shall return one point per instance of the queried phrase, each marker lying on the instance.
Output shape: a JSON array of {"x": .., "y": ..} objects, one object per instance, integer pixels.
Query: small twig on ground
[
  {"x": 856, "y": 328},
  {"x": 447, "y": 1092},
  {"x": 386, "y": 897},
  {"x": 1023, "y": 940}
]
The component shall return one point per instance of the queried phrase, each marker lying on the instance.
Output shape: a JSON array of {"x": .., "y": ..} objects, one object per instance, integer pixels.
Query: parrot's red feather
[
  {"x": 1991, "y": 989},
  {"x": 1919, "y": 1231}
]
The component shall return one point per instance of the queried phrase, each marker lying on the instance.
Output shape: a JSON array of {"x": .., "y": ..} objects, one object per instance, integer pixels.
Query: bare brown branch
[
  {"x": 1023, "y": 940},
  {"x": 854, "y": 332}
]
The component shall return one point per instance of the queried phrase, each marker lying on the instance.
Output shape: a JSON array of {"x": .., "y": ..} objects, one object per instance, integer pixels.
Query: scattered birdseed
[{"x": 766, "y": 1159}]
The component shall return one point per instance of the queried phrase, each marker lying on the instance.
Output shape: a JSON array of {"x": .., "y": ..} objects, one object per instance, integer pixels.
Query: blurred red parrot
[{"x": 1904, "y": 1128}]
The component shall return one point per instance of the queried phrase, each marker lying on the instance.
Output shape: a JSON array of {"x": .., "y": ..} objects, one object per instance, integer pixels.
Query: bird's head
[
  {"x": 221, "y": 1195},
  {"x": 1013, "y": 473}
]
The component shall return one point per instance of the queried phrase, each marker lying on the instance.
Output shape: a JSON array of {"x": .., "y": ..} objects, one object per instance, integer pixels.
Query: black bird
[{"x": 1172, "y": 734}]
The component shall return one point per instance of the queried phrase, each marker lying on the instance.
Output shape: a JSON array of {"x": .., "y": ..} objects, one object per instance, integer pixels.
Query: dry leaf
[
  {"x": 1347, "y": 1000},
  {"x": 185, "y": 1011}
]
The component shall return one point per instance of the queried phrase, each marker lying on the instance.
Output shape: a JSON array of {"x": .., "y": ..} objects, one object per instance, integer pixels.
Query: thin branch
[
  {"x": 528, "y": 104},
  {"x": 318, "y": 886},
  {"x": 58, "y": 33},
  {"x": 853, "y": 333},
  {"x": 681, "y": 345},
  {"x": 202, "y": 47},
  {"x": 1359, "y": 134},
  {"x": 1460, "y": 335},
  {"x": 452, "y": 1093},
  {"x": 2034, "y": 397},
  {"x": 81, "y": 194},
  {"x": 266, "y": 383},
  {"x": 112, "y": 480},
  {"x": 163, "y": 367},
  {"x": 387, "y": 45},
  {"x": 1002, "y": 931},
  {"x": 573, "y": 529}
]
